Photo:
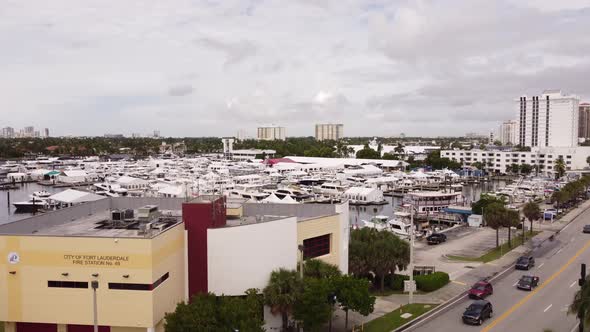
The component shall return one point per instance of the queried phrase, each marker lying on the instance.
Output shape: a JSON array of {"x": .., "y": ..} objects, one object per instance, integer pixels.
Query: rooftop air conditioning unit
[{"x": 117, "y": 215}]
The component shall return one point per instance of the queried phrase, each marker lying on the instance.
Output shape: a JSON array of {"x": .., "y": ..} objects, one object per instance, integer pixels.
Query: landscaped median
[
  {"x": 495, "y": 253},
  {"x": 398, "y": 317}
]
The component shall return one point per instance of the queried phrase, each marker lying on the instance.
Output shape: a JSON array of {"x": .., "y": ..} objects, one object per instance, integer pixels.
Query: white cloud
[{"x": 429, "y": 67}]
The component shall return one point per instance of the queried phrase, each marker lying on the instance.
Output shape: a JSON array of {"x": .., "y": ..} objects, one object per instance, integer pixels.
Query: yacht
[
  {"x": 32, "y": 205},
  {"x": 41, "y": 194}
]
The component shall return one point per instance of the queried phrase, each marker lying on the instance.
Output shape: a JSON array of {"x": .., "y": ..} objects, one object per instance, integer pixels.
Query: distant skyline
[{"x": 211, "y": 68}]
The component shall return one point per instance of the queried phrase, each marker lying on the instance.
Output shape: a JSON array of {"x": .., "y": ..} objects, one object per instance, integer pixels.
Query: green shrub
[
  {"x": 396, "y": 282},
  {"x": 431, "y": 282}
]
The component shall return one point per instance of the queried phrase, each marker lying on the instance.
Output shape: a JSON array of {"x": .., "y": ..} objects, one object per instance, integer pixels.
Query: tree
[
  {"x": 368, "y": 153},
  {"x": 480, "y": 206},
  {"x": 281, "y": 293},
  {"x": 315, "y": 268},
  {"x": 559, "y": 168},
  {"x": 477, "y": 165},
  {"x": 511, "y": 219},
  {"x": 495, "y": 214},
  {"x": 207, "y": 312},
  {"x": 390, "y": 156},
  {"x": 526, "y": 169},
  {"x": 532, "y": 212},
  {"x": 580, "y": 306},
  {"x": 380, "y": 252},
  {"x": 313, "y": 307},
  {"x": 559, "y": 197},
  {"x": 497, "y": 143},
  {"x": 588, "y": 160},
  {"x": 399, "y": 149},
  {"x": 353, "y": 294}
]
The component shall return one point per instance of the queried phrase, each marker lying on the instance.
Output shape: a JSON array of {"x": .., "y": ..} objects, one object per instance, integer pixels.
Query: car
[
  {"x": 527, "y": 282},
  {"x": 525, "y": 263},
  {"x": 480, "y": 290},
  {"x": 436, "y": 238},
  {"x": 477, "y": 312},
  {"x": 586, "y": 229}
]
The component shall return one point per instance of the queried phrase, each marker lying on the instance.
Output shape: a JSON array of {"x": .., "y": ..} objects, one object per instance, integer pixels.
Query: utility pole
[
  {"x": 301, "y": 247},
  {"x": 582, "y": 282},
  {"x": 94, "y": 284},
  {"x": 411, "y": 265}
]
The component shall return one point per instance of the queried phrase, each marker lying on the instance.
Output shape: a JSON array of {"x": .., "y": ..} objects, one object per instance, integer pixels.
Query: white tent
[
  {"x": 72, "y": 196},
  {"x": 288, "y": 200},
  {"x": 272, "y": 198}
]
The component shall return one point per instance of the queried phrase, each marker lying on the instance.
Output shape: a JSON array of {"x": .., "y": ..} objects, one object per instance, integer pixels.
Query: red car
[{"x": 481, "y": 290}]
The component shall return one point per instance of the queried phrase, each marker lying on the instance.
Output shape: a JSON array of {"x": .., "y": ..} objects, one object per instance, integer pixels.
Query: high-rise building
[
  {"x": 29, "y": 131},
  {"x": 8, "y": 132},
  {"x": 156, "y": 133},
  {"x": 509, "y": 132},
  {"x": 329, "y": 131},
  {"x": 271, "y": 133},
  {"x": 46, "y": 132},
  {"x": 548, "y": 120},
  {"x": 584, "y": 121}
]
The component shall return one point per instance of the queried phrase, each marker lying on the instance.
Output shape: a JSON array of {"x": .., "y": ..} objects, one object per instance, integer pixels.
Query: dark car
[
  {"x": 477, "y": 312},
  {"x": 525, "y": 263},
  {"x": 481, "y": 290},
  {"x": 586, "y": 229},
  {"x": 436, "y": 238},
  {"x": 527, "y": 283}
]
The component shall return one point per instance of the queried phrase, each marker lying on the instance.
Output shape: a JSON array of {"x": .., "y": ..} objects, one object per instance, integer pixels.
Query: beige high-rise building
[
  {"x": 329, "y": 131},
  {"x": 509, "y": 132},
  {"x": 271, "y": 133},
  {"x": 584, "y": 121}
]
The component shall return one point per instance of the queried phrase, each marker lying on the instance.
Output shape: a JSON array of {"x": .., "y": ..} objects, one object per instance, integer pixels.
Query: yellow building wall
[
  {"x": 321, "y": 226},
  {"x": 235, "y": 212},
  {"x": 26, "y": 297}
]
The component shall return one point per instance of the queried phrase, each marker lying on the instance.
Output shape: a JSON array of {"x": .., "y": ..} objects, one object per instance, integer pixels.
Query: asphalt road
[{"x": 557, "y": 265}]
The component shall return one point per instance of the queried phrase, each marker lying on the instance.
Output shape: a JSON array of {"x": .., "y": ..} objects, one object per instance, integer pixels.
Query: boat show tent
[
  {"x": 288, "y": 200},
  {"x": 272, "y": 198},
  {"x": 72, "y": 196}
]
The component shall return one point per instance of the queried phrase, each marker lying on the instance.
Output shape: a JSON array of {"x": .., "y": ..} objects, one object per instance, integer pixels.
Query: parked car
[
  {"x": 477, "y": 312},
  {"x": 436, "y": 238},
  {"x": 549, "y": 214},
  {"x": 480, "y": 290},
  {"x": 527, "y": 283},
  {"x": 586, "y": 229},
  {"x": 525, "y": 263}
]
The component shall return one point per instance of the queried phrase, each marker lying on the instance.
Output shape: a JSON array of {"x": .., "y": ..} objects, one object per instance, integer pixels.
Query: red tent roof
[{"x": 278, "y": 160}]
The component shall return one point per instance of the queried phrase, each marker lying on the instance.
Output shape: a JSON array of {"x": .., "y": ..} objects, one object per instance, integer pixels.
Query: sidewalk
[{"x": 386, "y": 304}]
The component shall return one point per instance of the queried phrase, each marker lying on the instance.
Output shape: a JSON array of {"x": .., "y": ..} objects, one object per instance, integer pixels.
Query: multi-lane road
[{"x": 558, "y": 266}]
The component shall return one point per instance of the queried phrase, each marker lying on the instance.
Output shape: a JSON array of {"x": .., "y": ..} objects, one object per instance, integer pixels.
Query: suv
[
  {"x": 436, "y": 238},
  {"x": 527, "y": 283},
  {"x": 586, "y": 229},
  {"x": 525, "y": 263},
  {"x": 481, "y": 290},
  {"x": 477, "y": 312}
]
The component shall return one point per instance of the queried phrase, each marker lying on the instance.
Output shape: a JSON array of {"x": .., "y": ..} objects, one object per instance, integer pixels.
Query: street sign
[{"x": 409, "y": 286}]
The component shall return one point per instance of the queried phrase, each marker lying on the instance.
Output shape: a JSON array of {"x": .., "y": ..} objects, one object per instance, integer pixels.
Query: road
[{"x": 557, "y": 265}]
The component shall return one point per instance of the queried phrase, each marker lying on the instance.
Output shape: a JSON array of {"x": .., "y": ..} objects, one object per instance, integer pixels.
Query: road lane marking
[
  {"x": 558, "y": 251},
  {"x": 540, "y": 266},
  {"x": 530, "y": 295},
  {"x": 458, "y": 283},
  {"x": 575, "y": 327},
  {"x": 566, "y": 226},
  {"x": 547, "y": 309},
  {"x": 516, "y": 283},
  {"x": 573, "y": 284}
]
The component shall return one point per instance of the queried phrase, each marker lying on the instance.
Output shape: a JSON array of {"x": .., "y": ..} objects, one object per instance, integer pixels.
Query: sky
[{"x": 212, "y": 68}]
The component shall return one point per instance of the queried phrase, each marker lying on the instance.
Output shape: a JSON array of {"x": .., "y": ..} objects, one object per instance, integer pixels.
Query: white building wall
[
  {"x": 343, "y": 210},
  {"x": 548, "y": 120},
  {"x": 574, "y": 158},
  {"x": 243, "y": 257}
]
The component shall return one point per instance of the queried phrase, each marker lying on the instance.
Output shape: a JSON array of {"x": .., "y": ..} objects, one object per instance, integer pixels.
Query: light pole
[
  {"x": 411, "y": 265},
  {"x": 94, "y": 284}
]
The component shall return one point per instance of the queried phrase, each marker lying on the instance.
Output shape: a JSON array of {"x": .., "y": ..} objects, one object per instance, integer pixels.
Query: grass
[
  {"x": 387, "y": 292},
  {"x": 394, "y": 320},
  {"x": 495, "y": 253}
]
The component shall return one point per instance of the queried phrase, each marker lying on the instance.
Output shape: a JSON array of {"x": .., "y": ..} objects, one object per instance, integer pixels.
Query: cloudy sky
[{"x": 213, "y": 67}]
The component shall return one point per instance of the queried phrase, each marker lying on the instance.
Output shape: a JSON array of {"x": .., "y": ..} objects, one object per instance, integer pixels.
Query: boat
[
  {"x": 376, "y": 222},
  {"x": 32, "y": 205},
  {"x": 41, "y": 194}
]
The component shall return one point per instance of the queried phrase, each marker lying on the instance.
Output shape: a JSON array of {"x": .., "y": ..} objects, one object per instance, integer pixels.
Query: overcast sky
[{"x": 211, "y": 68}]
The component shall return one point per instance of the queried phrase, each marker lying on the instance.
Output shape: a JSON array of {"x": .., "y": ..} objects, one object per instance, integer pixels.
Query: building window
[
  {"x": 67, "y": 284},
  {"x": 139, "y": 287},
  {"x": 316, "y": 246},
  {"x": 569, "y": 157}
]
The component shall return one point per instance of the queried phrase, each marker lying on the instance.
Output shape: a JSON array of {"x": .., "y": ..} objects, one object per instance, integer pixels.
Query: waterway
[{"x": 8, "y": 212}]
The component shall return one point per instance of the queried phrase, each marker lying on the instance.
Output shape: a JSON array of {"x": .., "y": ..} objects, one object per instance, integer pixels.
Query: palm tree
[
  {"x": 281, "y": 293},
  {"x": 559, "y": 168},
  {"x": 511, "y": 219},
  {"x": 532, "y": 212},
  {"x": 581, "y": 304},
  {"x": 495, "y": 214}
]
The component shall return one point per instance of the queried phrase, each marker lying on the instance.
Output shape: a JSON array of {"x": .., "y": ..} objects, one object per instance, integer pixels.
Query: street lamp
[
  {"x": 332, "y": 300},
  {"x": 94, "y": 284},
  {"x": 301, "y": 248}
]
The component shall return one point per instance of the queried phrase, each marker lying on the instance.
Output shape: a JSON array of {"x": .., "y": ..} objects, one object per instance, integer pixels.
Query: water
[
  {"x": 471, "y": 192},
  {"x": 8, "y": 212}
]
